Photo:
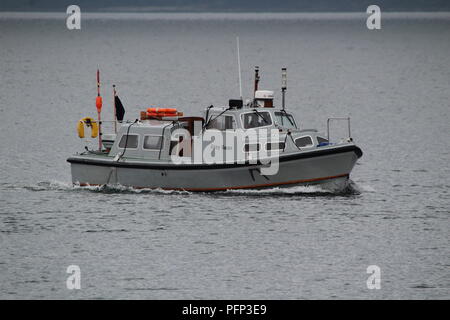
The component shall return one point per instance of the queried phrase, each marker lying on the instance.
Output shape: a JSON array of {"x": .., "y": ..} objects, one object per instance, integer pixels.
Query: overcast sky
[{"x": 225, "y": 5}]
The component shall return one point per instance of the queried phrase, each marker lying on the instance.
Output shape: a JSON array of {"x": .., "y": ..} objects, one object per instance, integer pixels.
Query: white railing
[{"x": 339, "y": 118}]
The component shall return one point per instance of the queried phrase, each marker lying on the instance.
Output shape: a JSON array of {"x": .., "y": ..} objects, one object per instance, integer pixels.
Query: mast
[
  {"x": 283, "y": 86},
  {"x": 115, "y": 110},
  {"x": 98, "y": 104}
]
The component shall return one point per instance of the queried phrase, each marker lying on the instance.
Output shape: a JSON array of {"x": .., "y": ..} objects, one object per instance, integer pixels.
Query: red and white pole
[{"x": 98, "y": 104}]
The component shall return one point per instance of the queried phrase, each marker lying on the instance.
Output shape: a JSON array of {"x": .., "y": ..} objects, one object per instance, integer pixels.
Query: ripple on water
[{"x": 351, "y": 188}]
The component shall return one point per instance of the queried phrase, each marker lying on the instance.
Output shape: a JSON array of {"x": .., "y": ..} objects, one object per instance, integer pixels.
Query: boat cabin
[{"x": 152, "y": 136}]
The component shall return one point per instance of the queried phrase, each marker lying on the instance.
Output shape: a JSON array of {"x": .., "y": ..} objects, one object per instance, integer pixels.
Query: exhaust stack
[{"x": 256, "y": 81}]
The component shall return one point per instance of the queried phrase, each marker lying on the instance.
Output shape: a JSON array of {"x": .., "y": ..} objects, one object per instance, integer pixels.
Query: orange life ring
[{"x": 162, "y": 112}]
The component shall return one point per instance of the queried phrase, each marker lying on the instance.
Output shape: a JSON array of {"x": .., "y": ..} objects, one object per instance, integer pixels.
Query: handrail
[
  {"x": 112, "y": 121},
  {"x": 339, "y": 118}
]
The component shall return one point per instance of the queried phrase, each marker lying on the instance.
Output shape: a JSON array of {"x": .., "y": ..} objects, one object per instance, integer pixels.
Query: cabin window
[
  {"x": 275, "y": 146},
  {"x": 321, "y": 140},
  {"x": 131, "y": 142},
  {"x": 152, "y": 142},
  {"x": 251, "y": 147},
  {"x": 304, "y": 142},
  {"x": 256, "y": 119},
  {"x": 224, "y": 122},
  {"x": 285, "y": 120}
]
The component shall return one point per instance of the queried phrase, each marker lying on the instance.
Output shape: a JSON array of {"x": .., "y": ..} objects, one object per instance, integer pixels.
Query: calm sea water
[{"x": 298, "y": 243}]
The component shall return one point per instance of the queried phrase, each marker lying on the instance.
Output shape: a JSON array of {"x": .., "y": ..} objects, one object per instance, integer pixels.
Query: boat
[{"x": 251, "y": 145}]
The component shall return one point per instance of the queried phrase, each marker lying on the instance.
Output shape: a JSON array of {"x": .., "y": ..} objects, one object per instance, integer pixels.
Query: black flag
[{"x": 120, "y": 110}]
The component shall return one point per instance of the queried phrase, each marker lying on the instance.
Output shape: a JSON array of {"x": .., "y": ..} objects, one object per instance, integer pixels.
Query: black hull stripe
[{"x": 290, "y": 157}]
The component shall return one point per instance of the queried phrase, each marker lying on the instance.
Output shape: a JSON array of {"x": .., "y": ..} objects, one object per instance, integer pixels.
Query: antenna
[{"x": 239, "y": 67}]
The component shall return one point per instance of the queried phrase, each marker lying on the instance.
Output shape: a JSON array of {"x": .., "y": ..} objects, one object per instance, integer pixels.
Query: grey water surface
[{"x": 298, "y": 243}]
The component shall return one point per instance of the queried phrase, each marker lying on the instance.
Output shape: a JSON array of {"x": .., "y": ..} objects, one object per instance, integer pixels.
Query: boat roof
[{"x": 245, "y": 109}]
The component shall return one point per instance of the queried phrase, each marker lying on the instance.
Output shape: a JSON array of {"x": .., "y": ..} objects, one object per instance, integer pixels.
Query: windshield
[
  {"x": 256, "y": 119},
  {"x": 285, "y": 120},
  {"x": 223, "y": 122}
]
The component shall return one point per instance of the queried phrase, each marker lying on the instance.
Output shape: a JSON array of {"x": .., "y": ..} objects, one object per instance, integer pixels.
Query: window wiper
[
  {"x": 290, "y": 120},
  {"x": 259, "y": 115},
  {"x": 212, "y": 119},
  {"x": 206, "y": 116}
]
